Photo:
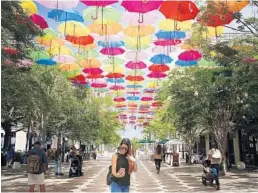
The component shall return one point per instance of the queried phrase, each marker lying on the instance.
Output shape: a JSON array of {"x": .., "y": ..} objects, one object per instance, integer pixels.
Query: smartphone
[{"x": 122, "y": 170}]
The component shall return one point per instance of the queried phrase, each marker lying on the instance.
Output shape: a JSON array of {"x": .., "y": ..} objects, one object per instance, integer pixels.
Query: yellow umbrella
[
  {"x": 171, "y": 25},
  {"x": 91, "y": 63},
  {"x": 47, "y": 41},
  {"x": 140, "y": 42},
  {"x": 118, "y": 92},
  {"x": 114, "y": 69},
  {"x": 134, "y": 82},
  {"x": 186, "y": 46},
  {"x": 29, "y": 7},
  {"x": 73, "y": 28},
  {"x": 213, "y": 31},
  {"x": 57, "y": 50},
  {"x": 111, "y": 29},
  {"x": 142, "y": 30},
  {"x": 69, "y": 67},
  {"x": 153, "y": 84}
]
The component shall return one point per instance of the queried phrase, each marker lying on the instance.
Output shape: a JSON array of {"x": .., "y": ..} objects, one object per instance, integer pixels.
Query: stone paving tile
[{"x": 171, "y": 179}]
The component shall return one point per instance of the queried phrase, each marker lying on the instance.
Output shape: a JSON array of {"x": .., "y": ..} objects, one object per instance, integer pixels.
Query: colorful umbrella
[
  {"x": 73, "y": 28},
  {"x": 186, "y": 63},
  {"x": 95, "y": 76},
  {"x": 90, "y": 63},
  {"x": 64, "y": 59},
  {"x": 161, "y": 42},
  {"x": 190, "y": 55},
  {"x": 81, "y": 40},
  {"x": 115, "y": 75},
  {"x": 38, "y": 20},
  {"x": 58, "y": 4},
  {"x": 68, "y": 15},
  {"x": 133, "y": 18},
  {"x": 138, "y": 31},
  {"x": 105, "y": 29},
  {"x": 37, "y": 55},
  {"x": 121, "y": 99},
  {"x": 161, "y": 59},
  {"x": 115, "y": 44},
  {"x": 134, "y": 78},
  {"x": 229, "y": 6},
  {"x": 29, "y": 7},
  {"x": 157, "y": 75},
  {"x": 69, "y": 67},
  {"x": 46, "y": 62},
  {"x": 92, "y": 70},
  {"x": 136, "y": 65},
  {"x": 159, "y": 68},
  {"x": 133, "y": 98},
  {"x": 215, "y": 20},
  {"x": 140, "y": 55},
  {"x": 169, "y": 25},
  {"x": 112, "y": 51},
  {"x": 116, "y": 87},
  {"x": 179, "y": 10},
  {"x": 115, "y": 80},
  {"x": 113, "y": 61},
  {"x": 170, "y": 34}
]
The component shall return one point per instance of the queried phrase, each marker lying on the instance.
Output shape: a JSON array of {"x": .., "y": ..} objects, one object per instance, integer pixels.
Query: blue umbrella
[
  {"x": 161, "y": 59},
  {"x": 170, "y": 34},
  {"x": 116, "y": 80},
  {"x": 115, "y": 44},
  {"x": 186, "y": 63},
  {"x": 133, "y": 98},
  {"x": 134, "y": 86},
  {"x": 47, "y": 62},
  {"x": 68, "y": 15}
]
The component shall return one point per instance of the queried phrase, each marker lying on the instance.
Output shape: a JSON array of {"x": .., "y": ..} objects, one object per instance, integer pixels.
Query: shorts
[{"x": 36, "y": 179}]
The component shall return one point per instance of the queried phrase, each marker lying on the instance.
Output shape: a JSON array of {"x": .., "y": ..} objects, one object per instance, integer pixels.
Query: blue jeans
[
  {"x": 117, "y": 188},
  {"x": 58, "y": 167},
  {"x": 215, "y": 172}
]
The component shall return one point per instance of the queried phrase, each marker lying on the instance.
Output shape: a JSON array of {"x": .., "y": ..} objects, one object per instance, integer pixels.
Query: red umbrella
[
  {"x": 134, "y": 78},
  {"x": 40, "y": 21},
  {"x": 215, "y": 20},
  {"x": 120, "y": 99},
  {"x": 157, "y": 75},
  {"x": 115, "y": 75},
  {"x": 78, "y": 78},
  {"x": 82, "y": 40},
  {"x": 98, "y": 85},
  {"x": 92, "y": 70},
  {"x": 179, "y": 10},
  {"x": 156, "y": 104},
  {"x": 159, "y": 68},
  {"x": 116, "y": 87},
  {"x": 94, "y": 76},
  {"x": 132, "y": 105},
  {"x": 120, "y": 106},
  {"x": 146, "y": 98}
]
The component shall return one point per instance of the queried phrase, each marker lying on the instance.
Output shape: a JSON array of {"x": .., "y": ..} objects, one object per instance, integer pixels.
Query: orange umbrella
[{"x": 229, "y": 6}]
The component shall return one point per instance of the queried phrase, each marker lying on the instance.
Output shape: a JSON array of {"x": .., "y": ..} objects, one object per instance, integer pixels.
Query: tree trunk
[{"x": 7, "y": 126}]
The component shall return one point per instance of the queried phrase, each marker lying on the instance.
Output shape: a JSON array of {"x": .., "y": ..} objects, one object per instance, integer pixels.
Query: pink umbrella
[
  {"x": 112, "y": 51},
  {"x": 65, "y": 59},
  {"x": 157, "y": 75},
  {"x": 136, "y": 65},
  {"x": 133, "y": 54},
  {"x": 190, "y": 55},
  {"x": 38, "y": 20},
  {"x": 146, "y": 98},
  {"x": 58, "y": 4},
  {"x": 116, "y": 87},
  {"x": 173, "y": 42},
  {"x": 119, "y": 99},
  {"x": 98, "y": 85},
  {"x": 140, "y": 6},
  {"x": 92, "y": 70},
  {"x": 98, "y": 3}
]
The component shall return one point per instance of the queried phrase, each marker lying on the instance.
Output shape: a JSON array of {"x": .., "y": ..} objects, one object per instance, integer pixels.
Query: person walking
[
  {"x": 58, "y": 162},
  {"x": 37, "y": 161},
  {"x": 10, "y": 156},
  {"x": 123, "y": 164},
  {"x": 214, "y": 155},
  {"x": 158, "y": 158}
]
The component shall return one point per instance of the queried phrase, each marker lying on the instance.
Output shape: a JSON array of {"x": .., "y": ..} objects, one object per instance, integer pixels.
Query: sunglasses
[{"x": 124, "y": 148}]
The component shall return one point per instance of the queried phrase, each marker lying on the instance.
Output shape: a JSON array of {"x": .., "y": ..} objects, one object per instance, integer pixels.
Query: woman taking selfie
[{"x": 123, "y": 164}]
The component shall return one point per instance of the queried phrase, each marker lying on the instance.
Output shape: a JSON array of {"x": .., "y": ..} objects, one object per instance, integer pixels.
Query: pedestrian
[
  {"x": 158, "y": 158},
  {"x": 10, "y": 156},
  {"x": 123, "y": 164},
  {"x": 37, "y": 161},
  {"x": 214, "y": 155},
  {"x": 58, "y": 161}
]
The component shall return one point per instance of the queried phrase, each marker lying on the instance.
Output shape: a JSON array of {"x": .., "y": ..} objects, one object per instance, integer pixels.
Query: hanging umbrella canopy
[
  {"x": 179, "y": 10},
  {"x": 145, "y": 141},
  {"x": 115, "y": 44},
  {"x": 58, "y": 4},
  {"x": 117, "y": 87},
  {"x": 190, "y": 55},
  {"x": 133, "y": 55},
  {"x": 215, "y": 20},
  {"x": 164, "y": 42},
  {"x": 92, "y": 71},
  {"x": 163, "y": 141},
  {"x": 113, "y": 61},
  {"x": 186, "y": 63},
  {"x": 134, "y": 78},
  {"x": 38, "y": 20},
  {"x": 157, "y": 75},
  {"x": 55, "y": 42},
  {"x": 95, "y": 76},
  {"x": 229, "y": 6},
  {"x": 101, "y": 15},
  {"x": 136, "y": 65},
  {"x": 139, "y": 6},
  {"x": 98, "y": 85},
  {"x": 172, "y": 25},
  {"x": 138, "y": 31},
  {"x": 112, "y": 51},
  {"x": 46, "y": 62},
  {"x": 121, "y": 99},
  {"x": 133, "y": 18},
  {"x": 29, "y": 7},
  {"x": 69, "y": 66},
  {"x": 37, "y": 55},
  {"x": 136, "y": 72},
  {"x": 146, "y": 98},
  {"x": 90, "y": 63},
  {"x": 133, "y": 86},
  {"x": 73, "y": 28},
  {"x": 98, "y": 3},
  {"x": 68, "y": 15},
  {"x": 110, "y": 38},
  {"x": 59, "y": 50},
  {"x": 105, "y": 29},
  {"x": 161, "y": 59},
  {"x": 81, "y": 40},
  {"x": 86, "y": 54},
  {"x": 170, "y": 34},
  {"x": 113, "y": 68},
  {"x": 159, "y": 68},
  {"x": 115, "y": 75},
  {"x": 133, "y": 98},
  {"x": 115, "y": 80}
]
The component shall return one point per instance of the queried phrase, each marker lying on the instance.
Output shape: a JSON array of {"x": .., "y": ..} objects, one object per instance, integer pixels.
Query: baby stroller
[
  {"x": 207, "y": 175},
  {"x": 75, "y": 167}
]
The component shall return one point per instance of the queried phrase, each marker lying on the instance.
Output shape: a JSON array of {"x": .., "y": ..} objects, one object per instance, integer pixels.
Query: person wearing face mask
[{"x": 123, "y": 164}]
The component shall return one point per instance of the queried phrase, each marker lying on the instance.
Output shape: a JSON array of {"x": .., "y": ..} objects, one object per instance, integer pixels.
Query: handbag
[
  {"x": 157, "y": 156},
  {"x": 109, "y": 176}
]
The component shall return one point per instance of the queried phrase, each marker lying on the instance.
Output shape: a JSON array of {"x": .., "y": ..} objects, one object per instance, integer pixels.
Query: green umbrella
[
  {"x": 39, "y": 55},
  {"x": 145, "y": 141},
  {"x": 163, "y": 141}
]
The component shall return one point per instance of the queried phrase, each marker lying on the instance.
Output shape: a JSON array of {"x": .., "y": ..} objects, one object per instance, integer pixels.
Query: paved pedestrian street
[{"x": 171, "y": 179}]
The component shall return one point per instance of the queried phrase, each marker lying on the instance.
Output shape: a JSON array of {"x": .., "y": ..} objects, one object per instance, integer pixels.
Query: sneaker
[{"x": 218, "y": 187}]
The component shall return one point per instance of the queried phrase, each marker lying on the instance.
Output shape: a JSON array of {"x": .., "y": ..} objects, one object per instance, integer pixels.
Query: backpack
[
  {"x": 34, "y": 164},
  {"x": 109, "y": 176}
]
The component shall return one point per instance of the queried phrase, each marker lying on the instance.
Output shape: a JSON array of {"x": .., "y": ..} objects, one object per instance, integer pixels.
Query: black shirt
[{"x": 122, "y": 162}]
